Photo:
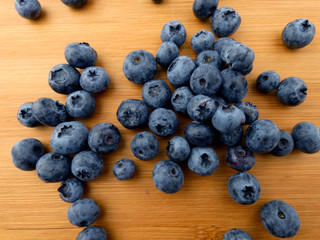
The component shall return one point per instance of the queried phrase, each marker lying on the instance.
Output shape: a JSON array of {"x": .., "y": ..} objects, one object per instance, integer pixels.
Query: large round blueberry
[
  {"x": 163, "y": 122},
  {"x": 202, "y": 40},
  {"x": 298, "y": 33},
  {"x": 174, "y": 31},
  {"x": 69, "y": 137},
  {"x": 83, "y": 212},
  {"x": 71, "y": 190},
  {"x": 167, "y": 176},
  {"x": 87, "y": 165},
  {"x": 124, "y": 169},
  {"x": 225, "y": 21},
  {"x": 306, "y": 137},
  {"x": 262, "y": 136},
  {"x": 30, "y": 9},
  {"x": 292, "y": 91},
  {"x": 250, "y": 111},
  {"x": 133, "y": 113},
  {"x": 280, "y": 219},
  {"x": 232, "y": 138},
  {"x": 244, "y": 188},
  {"x": 203, "y": 161},
  {"x": 64, "y": 79},
  {"x": 203, "y": 9},
  {"x": 201, "y": 108},
  {"x": 26, "y": 153},
  {"x": 92, "y": 233},
  {"x": 104, "y": 138},
  {"x": 144, "y": 145},
  {"x": 80, "y": 55},
  {"x": 156, "y": 93},
  {"x": 240, "y": 158},
  {"x": 180, "y": 99},
  {"x": 268, "y": 81},
  {"x": 221, "y": 43},
  {"x": 80, "y": 104},
  {"x": 209, "y": 57},
  {"x": 94, "y": 79},
  {"x": 284, "y": 146},
  {"x": 167, "y": 52},
  {"x": 200, "y": 134},
  {"x": 180, "y": 70},
  {"x": 53, "y": 167},
  {"x": 236, "y": 234},
  {"x": 178, "y": 149},
  {"x": 25, "y": 115},
  {"x": 74, "y": 3}
]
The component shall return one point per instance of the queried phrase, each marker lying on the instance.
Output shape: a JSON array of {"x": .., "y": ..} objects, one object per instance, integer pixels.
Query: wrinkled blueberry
[
  {"x": 284, "y": 146},
  {"x": 249, "y": 110},
  {"x": 71, "y": 190},
  {"x": 202, "y": 40},
  {"x": 180, "y": 99},
  {"x": 124, "y": 169},
  {"x": 180, "y": 70},
  {"x": 163, "y": 122},
  {"x": 167, "y": 52},
  {"x": 94, "y": 79},
  {"x": 292, "y": 91},
  {"x": 30, "y": 9},
  {"x": 200, "y": 134},
  {"x": 203, "y": 161},
  {"x": 174, "y": 31},
  {"x": 232, "y": 138},
  {"x": 221, "y": 43},
  {"x": 203, "y": 9},
  {"x": 178, "y": 149},
  {"x": 80, "y": 55},
  {"x": 240, "y": 158},
  {"x": 144, "y": 145},
  {"x": 80, "y": 104},
  {"x": 92, "y": 233},
  {"x": 209, "y": 57},
  {"x": 268, "y": 81},
  {"x": 74, "y": 3},
  {"x": 225, "y": 21},
  {"x": 306, "y": 137},
  {"x": 25, "y": 115},
  {"x": 201, "y": 108},
  {"x": 156, "y": 94},
  {"x": 236, "y": 234}
]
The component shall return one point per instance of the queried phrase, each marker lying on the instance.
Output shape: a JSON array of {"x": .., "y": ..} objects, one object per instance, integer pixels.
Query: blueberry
[
  {"x": 92, "y": 233},
  {"x": 240, "y": 158},
  {"x": 83, "y": 212},
  {"x": 292, "y": 91},
  {"x": 167, "y": 176},
  {"x": 298, "y": 33},
  {"x": 74, "y": 3},
  {"x": 163, "y": 122},
  {"x": 157, "y": 1},
  {"x": 144, "y": 145},
  {"x": 280, "y": 219},
  {"x": 133, "y": 113},
  {"x": 139, "y": 66},
  {"x": 306, "y": 137},
  {"x": 203, "y": 9},
  {"x": 219, "y": 100},
  {"x": 202, "y": 40},
  {"x": 124, "y": 169},
  {"x": 268, "y": 81},
  {"x": 284, "y": 146},
  {"x": 167, "y": 52},
  {"x": 232, "y": 138},
  {"x": 206, "y": 79},
  {"x": 25, "y": 115},
  {"x": 69, "y": 137},
  {"x": 225, "y": 21},
  {"x": 180, "y": 70},
  {"x": 80, "y": 55},
  {"x": 64, "y": 79},
  {"x": 104, "y": 138},
  {"x": 228, "y": 118},
  {"x": 236, "y": 234},
  {"x": 201, "y": 108},
  {"x": 26, "y": 153},
  {"x": 262, "y": 136},
  {"x": 174, "y": 31},
  {"x": 221, "y": 43},
  {"x": 203, "y": 161},
  {"x": 178, "y": 149},
  {"x": 244, "y": 188},
  {"x": 94, "y": 79},
  {"x": 71, "y": 190},
  {"x": 209, "y": 57},
  {"x": 80, "y": 104},
  {"x": 53, "y": 167},
  {"x": 156, "y": 94},
  {"x": 200, "y": 134},
  {"x": 180, "y": 99},
  {"x": 87, "y": 165},
  {"x": 30, "y": 9},
  {"x": 234, "y": 86},
  {"x": 49, "y": 112},
  {"x": 249, "y": 110}
]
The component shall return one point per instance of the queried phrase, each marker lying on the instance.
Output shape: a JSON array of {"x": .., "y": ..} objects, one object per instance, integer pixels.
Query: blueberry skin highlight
[
  {"x": 178, "y": 149},
  {"x": 203, "y": 9},
  {"x": 124, "y": 169},
  {"x": 29, "y": 9},
  {"x": 225, "y": 21},
  {"x": 173, "y": 31},
  {"x": 80, "y": 55},
  {"x": 201, "y": 108},
  {"x": 244, "y": 188},
  {"x": 203, "y": 161},
  {"x": 133, "y": 113},
  {"x": 83, "y": 212},
  {"x": 144, "y": 146},
  {"x": 87, "y": 165},
  {"x": 221, "y": 43},
  {"x": 202, "y": 40},
  {"x": 167, "y": 176},
  {"x": 292, "y": 91},
  {"x": 280, "y": 219},
  {"x": 209, "y": 57},
  {"x": 232, "y": 138},
  {"x": 92, "y": 233},
  {"x": 71, "y": 190},
  {"x": 53, "y": 167},
  {"x": 240, "y": 158},
  {"x": 249, "y": 110},
  {"x": 69, "y": 137},
  {"x": 180, "y": 70},
  {"x": 104, "y": 138},
  {"x": 284, "y": 146},
  {"x": 26, "y": 153},
  {"x": 298, "y": 33},
  {"x": 74, "y": 3},
  {"x": 25, "y": 115},
  {"x": 200, "y": 134},
  {"x": 306, "y": 137},
  {"x": 180, "y": 99},
  {"x": 64, "y": 79},
  {"x": 80, "y": 104},
  {"x": 156, "y": 94},
  {"x": 167, "y": 52},
  {"x": 268, "y": 81},
  {"x": 236, "y": 234},
  {"x": 163, "y": 122},
  {"x": 94, "y": 79}
]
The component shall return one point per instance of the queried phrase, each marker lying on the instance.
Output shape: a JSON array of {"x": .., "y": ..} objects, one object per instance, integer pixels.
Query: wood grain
[{"x": 135, "y": 209}]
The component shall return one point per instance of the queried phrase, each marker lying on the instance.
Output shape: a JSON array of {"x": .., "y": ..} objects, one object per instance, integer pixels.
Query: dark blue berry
[
  {"x": 306, "y": 137},
  {"x": 203, "y": 9},
  {"x": 201, "y": 108},
  {"x": 232, "y": 138},
  {"x": 174, "y": 31},
  {"x": 80, "y": 104},
  {"x": 80, "y": 55},
  {"x": 167, "y": 52},
  {"x": 209, "y": 57},
  {"x": 240, "y": 158},
  {"x": 71, "y": 190},
  {"x": 200, "y": 134},
  {"x": 249, "y": 110},
  {"x": 180, "y": 99},
  {"x": 124, "y": 169},
  {"x": 292, "y": 91},
  {"x": 180, "y": 70},
  {"x": 74, "y": 3},
  {"x": 268, "y": 81},
  {"x": 94, "y": 79},
  {"x": 30, "y": 9},
  {"x": 178, "y": 149},
  {"x": 163, "y": 122},
  {"x": 203, "y": 161},
  {"x": 236, "y": 234},
  {"x": 284, "y": 146},
  {"x": 221, "y": 43},
  {"x": 156, "y": 94},
  {"x": 25, "y": 115},
  {"x": 202, "y": 40},
  {"x": 144, "y": 145},
  {"x": 92, "y": 233},
  {"x": 225, "y": 21}
]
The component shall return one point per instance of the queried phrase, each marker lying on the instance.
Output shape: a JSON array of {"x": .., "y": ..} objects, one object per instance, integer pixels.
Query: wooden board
[{"x": 31, "y": 209}]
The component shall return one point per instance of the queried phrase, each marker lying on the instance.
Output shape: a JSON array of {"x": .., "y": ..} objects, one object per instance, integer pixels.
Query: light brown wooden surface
[{"x": 135, "y": 209}]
